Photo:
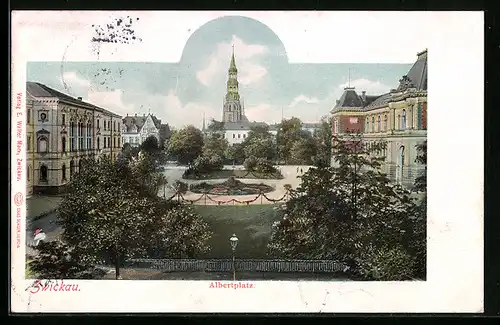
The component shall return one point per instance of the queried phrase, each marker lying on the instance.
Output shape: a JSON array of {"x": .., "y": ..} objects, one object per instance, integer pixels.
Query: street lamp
[{"x": 234, "y": 242}]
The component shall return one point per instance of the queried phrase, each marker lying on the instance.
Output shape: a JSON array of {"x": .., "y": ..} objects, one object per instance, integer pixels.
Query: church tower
[{"x": 232, "y": 110}]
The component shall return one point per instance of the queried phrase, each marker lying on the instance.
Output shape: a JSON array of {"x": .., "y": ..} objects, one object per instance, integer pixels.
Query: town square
[{"x": 231, "y": 190}]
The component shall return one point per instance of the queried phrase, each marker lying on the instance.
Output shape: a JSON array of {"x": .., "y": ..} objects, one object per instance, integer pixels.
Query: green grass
[
  {"x": 251, "y": 224},
  {"x": 226, "y": 173}
]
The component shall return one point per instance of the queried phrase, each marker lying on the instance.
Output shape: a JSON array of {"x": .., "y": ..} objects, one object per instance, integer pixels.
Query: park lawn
[{"x": 251, "y": 224}]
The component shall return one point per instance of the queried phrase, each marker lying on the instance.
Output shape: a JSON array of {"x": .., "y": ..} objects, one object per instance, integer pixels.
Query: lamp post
[{"x": 234, "y": 242}]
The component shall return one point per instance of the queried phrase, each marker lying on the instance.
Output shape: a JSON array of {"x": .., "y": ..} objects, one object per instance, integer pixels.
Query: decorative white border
[{"x": 455, "y": 160}]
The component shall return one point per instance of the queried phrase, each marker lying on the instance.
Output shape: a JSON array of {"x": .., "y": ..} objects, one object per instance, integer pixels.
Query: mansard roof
[
  {"x": 417, "y": 76},
  {"x": 40, "y": 90}
]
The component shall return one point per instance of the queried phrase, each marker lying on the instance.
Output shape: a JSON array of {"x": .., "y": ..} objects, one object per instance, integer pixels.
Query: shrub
[
  {"x": 387, "y": 264},
  {"x": 250, "y": 163},
  {"x": 265, "y": 166}
]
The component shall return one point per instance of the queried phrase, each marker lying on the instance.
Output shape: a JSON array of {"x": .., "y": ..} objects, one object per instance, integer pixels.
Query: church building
[{"x": 398, "y": 117}]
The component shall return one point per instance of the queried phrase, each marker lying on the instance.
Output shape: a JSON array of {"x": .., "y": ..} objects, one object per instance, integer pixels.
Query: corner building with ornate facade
[
  {"x": 399, "y": 118},
  {"x": 61, "y": 132}
]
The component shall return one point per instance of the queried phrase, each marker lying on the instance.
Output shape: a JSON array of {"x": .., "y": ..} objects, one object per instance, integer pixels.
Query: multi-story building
[
  {"x": 398, "y": 118},
  {"x": 136, "y": 129},
  {"x": 61, "y": 132}
]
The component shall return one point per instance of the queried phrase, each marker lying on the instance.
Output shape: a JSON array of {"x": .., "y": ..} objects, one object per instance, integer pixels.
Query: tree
[
  {"x": 235, "y": 153},
  {"x": 350, "y": 212},
  {"x": 215, "y": 145},
  {"x": 260, "y": 147},
  {"x": 303, "y": 151},
  {"x": 108, "y": 216},
  {"x": 56, "y": 260},
  {"x": 421, "y": 181},
  {"x": 216, "y": 127},
  {"x": 186, "y": 144},
  {"x": 289, "y": 131},
  {"x": 323, "y": 138}
]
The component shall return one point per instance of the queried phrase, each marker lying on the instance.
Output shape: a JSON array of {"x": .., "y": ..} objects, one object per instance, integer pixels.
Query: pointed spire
[{"x": 232, "y": 65}]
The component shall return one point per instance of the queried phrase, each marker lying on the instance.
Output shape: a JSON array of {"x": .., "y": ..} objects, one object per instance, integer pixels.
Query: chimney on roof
[
  {"x": 80, "y": 98},
  {"x": 363, "y": 95}
]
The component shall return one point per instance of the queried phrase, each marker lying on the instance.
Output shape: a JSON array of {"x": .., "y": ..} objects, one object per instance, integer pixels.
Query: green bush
[
  {"x": 250, "y": 163},
  {"x": 387, "y": 264}
]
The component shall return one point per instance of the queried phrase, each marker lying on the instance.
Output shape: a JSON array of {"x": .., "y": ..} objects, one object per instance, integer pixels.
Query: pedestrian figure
[{"x": 39, "y": 237}]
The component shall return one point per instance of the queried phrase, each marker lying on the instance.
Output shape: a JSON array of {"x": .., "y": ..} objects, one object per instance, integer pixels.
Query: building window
[
  {"x": 89, "y": 136},
  {"x": 81, "y": 135},
  {"x": 63, "y": 144},
  {"x": 114, "y": 126},
  {"x": 104, "y": 125},
  {"x": 63, "y": 170},
  {"x": 118, "y": 142},
  {"x": 367, "y": 125},
  {"x": 98, "y": 124},
  {"x": 234, "y": 135},
  {"x": 43, "y": 144},
  {"x": 63, "y": 117},
  {"x": 114, "y": 142},
  {"x": 109, "y": 142},
  {"x": 239, "y": 135},
  {"x": 399, "y": 122},
  {"x": 43, "y": 173},
  {"x": 28, "y": 175},
  {"x": 109, "y": 125},
  {"x": 98, "y": 144},
  {"x": 244, "y": 135},
  {"x": 403, "y": 120},
  {"x": 379, "y": 129},
  {"x": 336, "y": 126},
  {"x": 385, "y": 122},
  {"x": 29, "y": 142},
  {"x": 28, "y": 118},
  {"x": 104, "y": 142},
  {"x": 373, "y": 123},
  {"x": 72, "y": 136}
]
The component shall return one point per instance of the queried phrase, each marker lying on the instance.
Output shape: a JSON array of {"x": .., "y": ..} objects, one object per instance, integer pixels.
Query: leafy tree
[
  {"x": 289, "y": 132},
  {"x": 235, "y": 153},
  {"x": 260, "y": 147},
  {"x": 303, "y": 150},
  {"x": 56, "y": 260},
  {"x": 323, "y": 138},
  {"x": 347, "y": 212},
  {"x": 216, "y": 127},
  {"x": 152, "y": 147},
  {"x": 127, "y": 153},
  {"x": 215, "y": 145},
  {"x": 421, "y": 181},
  {"x": 186, "y": 144},
  {"x": 108, "y": 216}
]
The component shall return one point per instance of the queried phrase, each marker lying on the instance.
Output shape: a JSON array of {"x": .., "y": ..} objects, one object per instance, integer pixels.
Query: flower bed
[{"x": 231, "y": 187}]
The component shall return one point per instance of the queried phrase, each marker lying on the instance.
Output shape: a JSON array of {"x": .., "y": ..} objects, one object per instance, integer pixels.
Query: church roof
[{"x": 37, "y": 89}]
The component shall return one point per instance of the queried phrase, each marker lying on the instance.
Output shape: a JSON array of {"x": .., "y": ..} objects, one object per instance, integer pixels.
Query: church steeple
[
  {"x": 232, "y": 81},
  {"x": 232, "y": 65}
]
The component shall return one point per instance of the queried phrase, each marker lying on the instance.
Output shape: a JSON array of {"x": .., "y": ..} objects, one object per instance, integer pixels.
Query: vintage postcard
[{"x": 290, "y": 162}]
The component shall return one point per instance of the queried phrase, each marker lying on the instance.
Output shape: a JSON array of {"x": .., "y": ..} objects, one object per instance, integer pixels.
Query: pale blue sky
[{"x": 180, "y": 93}]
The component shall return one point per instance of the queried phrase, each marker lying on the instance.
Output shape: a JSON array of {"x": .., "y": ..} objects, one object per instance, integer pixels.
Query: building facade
[
  {"x": 136, "y": 129},
  {"x": 398, "y": 118},
  {"x": 61, "y": 132}
]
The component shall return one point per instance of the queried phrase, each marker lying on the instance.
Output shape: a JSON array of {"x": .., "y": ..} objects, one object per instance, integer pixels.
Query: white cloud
[
  {"x": 111, "y": 100},
  {"x": 371, "y": 87},
  {"x": 70, "y": 79},
  {"x": 303, "y": 99},
  {"x": 246, "y": 57}
]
